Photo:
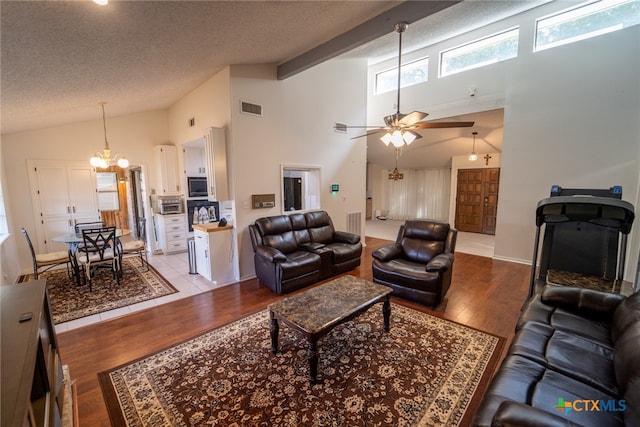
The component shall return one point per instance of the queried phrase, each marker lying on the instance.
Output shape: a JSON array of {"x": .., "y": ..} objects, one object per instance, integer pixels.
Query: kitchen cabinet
[
  {"x": 166, "y": 161},
  {"x": 172, "y": 233},
  {"x": 215, "y": 153},
  {"x": 194, "y": 162},
  {"x": 63, "y": 194},
  {"x": 36, "y": 388},
  {"x": 216, "y": 258}
]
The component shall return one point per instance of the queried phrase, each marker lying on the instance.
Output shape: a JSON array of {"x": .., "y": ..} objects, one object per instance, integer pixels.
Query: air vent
[
  {"x": 248, "y": 108},
  {"x": 340, "y": 127}
]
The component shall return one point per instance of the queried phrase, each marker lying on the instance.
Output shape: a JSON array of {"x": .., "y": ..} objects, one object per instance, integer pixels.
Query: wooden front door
[{"x": 477, "y": 200}]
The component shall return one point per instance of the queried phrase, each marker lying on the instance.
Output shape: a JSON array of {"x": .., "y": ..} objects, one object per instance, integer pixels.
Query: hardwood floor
[{"x": 485, "y": 294}]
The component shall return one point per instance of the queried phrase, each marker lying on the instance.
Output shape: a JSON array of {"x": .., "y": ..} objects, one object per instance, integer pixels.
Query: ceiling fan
[{"x": 400, "y": 128}]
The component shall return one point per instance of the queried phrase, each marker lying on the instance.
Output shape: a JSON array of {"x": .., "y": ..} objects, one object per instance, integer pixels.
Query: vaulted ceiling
[{"x": 60, "y": 58}]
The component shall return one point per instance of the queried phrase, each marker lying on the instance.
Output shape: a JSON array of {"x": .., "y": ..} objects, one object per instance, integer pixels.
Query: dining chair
[
  {"x": 138, "y": 246},
  {"x": 100, "y": 250},
  {"x": 48, "y": 260}
]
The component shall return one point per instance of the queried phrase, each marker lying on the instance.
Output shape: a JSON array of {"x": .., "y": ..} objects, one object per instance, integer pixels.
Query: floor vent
[
  {"x": 253, "y": 109},
  {"x": 354, "y": 222}
]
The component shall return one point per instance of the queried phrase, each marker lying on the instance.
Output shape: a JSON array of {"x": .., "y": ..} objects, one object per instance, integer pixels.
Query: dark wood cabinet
[{"x": 35, "y": 389}]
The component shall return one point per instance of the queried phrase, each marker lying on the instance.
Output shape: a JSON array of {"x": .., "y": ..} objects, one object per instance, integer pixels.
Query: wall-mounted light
[{"x": 335, "y": 188}]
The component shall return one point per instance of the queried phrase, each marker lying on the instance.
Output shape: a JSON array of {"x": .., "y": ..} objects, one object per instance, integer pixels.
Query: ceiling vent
[
  {"x": 340, "y": 127},
  {"x": 249, "y": 108}
]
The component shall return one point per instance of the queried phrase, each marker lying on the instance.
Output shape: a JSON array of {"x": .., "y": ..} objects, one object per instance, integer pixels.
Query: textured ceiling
[{"x": 60, "y": 58}]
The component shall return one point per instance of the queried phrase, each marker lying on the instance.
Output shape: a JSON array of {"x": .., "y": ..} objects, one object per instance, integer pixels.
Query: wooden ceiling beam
[{"x": 408, "y": 11}]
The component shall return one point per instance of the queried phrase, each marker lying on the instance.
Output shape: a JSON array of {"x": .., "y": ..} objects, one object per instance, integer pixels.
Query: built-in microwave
[{"x": 197, "y": 186}]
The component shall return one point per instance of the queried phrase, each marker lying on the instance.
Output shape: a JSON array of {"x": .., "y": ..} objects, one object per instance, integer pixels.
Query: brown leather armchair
[{"x": 419, "y": 265}]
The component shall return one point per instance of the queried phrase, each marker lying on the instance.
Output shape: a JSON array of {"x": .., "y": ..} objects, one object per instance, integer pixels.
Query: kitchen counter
[{"x": 211, "y": 227}]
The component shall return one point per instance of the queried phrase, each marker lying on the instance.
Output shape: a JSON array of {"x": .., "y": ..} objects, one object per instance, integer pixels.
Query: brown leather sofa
[
  {"x": 574, "y": 361},
  {"x": 293, "y": 251},
  {"x": 419, "y": 265}
]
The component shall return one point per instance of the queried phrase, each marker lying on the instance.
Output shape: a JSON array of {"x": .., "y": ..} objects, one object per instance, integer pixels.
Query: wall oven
[{"x": 197, "y": 186}]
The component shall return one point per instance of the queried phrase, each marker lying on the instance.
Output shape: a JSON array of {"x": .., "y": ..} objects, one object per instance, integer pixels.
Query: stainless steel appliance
[
  {"x": 212, "y": 208},
  {"x": 168, "y": 206},
  {"x": 197, "y": 186}
]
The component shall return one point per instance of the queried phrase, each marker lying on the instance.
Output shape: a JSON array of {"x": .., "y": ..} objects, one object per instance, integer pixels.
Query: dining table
[{"x": 73, "y": 240}]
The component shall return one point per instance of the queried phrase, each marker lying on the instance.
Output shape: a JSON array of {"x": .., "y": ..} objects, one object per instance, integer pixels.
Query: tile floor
[
  {"x": 175, "y": 268},
  {"x": 469, "y": 243}
]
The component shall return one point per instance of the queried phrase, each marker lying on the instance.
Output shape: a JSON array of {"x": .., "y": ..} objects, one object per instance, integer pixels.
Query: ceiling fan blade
[
  {"x": 372, "y": 132},
  {"x": 438, "y": 125},
  {"x": 392, "y": 120},
  {"x": 412, "y": 118}
]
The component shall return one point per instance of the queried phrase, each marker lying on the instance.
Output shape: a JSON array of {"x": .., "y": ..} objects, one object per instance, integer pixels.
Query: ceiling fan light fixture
[
  {"x": 386, "y": 138},
  {"x": 408, "y": 137}
]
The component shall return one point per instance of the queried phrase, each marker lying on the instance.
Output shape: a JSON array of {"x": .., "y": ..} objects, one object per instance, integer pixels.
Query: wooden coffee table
[{"x": 315, "y": 312}]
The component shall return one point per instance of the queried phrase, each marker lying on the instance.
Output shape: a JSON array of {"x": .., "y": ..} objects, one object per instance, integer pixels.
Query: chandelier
[
  {"x": 103, "y": 159},
  {"x": 395, "y": 174}
]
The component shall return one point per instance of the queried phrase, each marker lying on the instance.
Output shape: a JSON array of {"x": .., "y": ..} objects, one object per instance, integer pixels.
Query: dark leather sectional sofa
[
  {"x": 296, "y": 250},
  {"x": 574, "y": 361}
]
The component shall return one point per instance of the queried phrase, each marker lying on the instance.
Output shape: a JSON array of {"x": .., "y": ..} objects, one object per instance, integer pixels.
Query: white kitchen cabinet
[
  {"x": 215, "y": 152},
  {"x": 166, "y": 161},
  {"x": 63, "y": 194},
  {"x": 172, "y": 233},
  {"x": 194, "y": 162},
  {"x": 215, "y": 253}
]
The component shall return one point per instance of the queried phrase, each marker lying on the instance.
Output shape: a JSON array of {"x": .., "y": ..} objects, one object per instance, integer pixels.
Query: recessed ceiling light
[{"x": 101, "y": 2}]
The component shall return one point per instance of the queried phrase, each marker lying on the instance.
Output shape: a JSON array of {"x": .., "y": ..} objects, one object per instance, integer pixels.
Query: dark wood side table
[{"x": 315, "y": 312}]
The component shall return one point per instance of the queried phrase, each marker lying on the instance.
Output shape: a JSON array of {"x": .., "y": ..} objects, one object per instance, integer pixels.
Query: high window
[
  {"x": 478, "y": 53},
  {"x": 412, "y": 73},
  {"x": 585, "y": 21}
]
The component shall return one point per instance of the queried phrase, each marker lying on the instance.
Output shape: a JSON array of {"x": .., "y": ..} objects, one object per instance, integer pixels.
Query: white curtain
[{"x": 423, "y": 193}]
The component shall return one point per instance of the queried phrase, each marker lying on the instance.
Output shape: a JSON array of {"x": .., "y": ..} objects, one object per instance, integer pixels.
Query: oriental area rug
[
  {"x": 425, "y": 371},
  {"x": 69, "y": 301}
]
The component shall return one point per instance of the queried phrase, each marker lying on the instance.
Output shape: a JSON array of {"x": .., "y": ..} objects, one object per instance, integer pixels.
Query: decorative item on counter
[
  {"x": 204, "y": 215},
  {"x": 212, "y": 214},
  {"x": 195, "y": 217}
]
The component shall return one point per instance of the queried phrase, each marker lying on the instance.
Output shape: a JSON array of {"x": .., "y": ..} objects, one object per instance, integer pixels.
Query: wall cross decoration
[{"x": 486, "y": 159}]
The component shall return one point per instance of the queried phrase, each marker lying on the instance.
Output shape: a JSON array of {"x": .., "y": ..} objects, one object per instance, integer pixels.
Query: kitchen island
[{"x": 216, "y": 254}]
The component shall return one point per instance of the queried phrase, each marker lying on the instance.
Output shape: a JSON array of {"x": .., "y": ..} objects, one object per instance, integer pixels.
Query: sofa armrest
[
  {"x": 311, "y": 246},
  {"x": 387, "y": 252},
  {"x": 271, "y": 254},
  {"x": 345, "y": 237},
  {"x": 581, "y": 300},
  {"x": 512, "y": 414},
  {"x": 441, "y": 263}
]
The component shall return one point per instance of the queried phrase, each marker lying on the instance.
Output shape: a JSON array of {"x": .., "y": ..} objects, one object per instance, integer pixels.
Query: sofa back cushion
[
  {"x": 320, "y": 226},
  {"x": 277, "y": 232},
  {"x": 627, "y": 313},
  {"x": 299, "y": 226},
  {"x": 423, "y": 240}
]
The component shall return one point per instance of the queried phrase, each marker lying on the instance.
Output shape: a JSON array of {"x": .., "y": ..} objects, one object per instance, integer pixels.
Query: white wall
[
  {"x": 571, "y": 118},
  {"x": 133, "y": 136},
  {"x": 297, "y": 129},
  {"x": 208, "y": 105}
]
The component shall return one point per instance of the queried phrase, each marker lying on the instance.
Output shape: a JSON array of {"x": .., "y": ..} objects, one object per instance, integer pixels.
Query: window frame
[
  {"x": 574, "y": 14},
  {"x": 466, "y": 48}
]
